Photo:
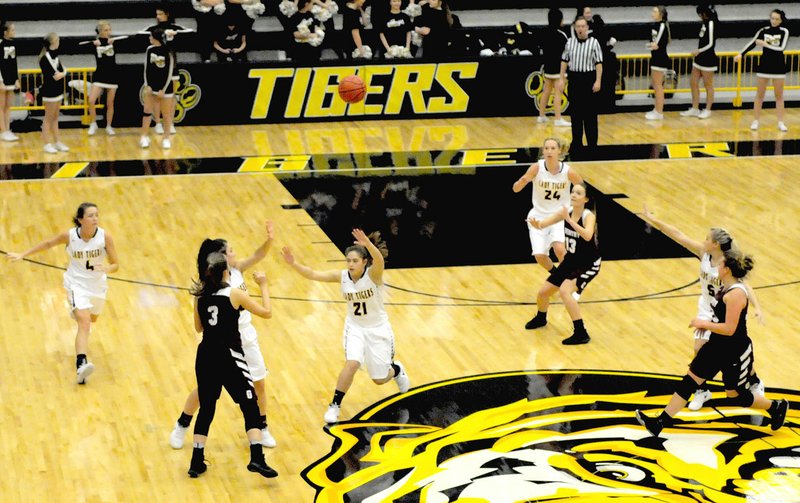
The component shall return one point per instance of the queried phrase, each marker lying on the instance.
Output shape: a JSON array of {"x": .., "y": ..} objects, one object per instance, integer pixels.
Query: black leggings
[{"x": 218, "y": 367}]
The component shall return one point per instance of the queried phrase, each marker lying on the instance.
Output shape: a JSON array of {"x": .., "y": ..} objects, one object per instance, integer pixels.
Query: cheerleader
[
  {"x": 772, "y": 65},
  {"x": 105, "y": 76},
  {"x": 165, "y": 22},
  {"x": 552, "y": 43},
  {"x": 85, "y": 280},
  {"x": 52, "y": 93},
  {"x": 395, "y": 32},
  {"x": 159, "y": 88},
  {"x": 660, "y": 36},
  {"x": 353, "y": 22},
  {"x": 9, "y": 80},
  {"x": 705, "y": 63}
]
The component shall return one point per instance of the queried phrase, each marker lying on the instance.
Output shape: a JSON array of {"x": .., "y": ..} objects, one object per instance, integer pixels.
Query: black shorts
[
  {"x": 733, "y": 358},
  {"x": 583, "y": 271}
]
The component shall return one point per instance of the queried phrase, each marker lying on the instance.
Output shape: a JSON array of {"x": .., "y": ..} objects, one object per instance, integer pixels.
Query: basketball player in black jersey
[
  {"x": 729, "y": 350},
  {"x": 580, "y": 265},
  {"x": 220, "y": 361}
]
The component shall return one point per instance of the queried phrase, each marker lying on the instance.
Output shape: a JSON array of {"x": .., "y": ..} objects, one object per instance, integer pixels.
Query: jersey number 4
[
  {"x": 359, "y": 308},
  {"x": 89, "y": 266}
]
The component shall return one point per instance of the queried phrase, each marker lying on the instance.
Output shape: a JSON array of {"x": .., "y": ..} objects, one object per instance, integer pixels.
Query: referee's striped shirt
[{"x": 582, "y": 55}]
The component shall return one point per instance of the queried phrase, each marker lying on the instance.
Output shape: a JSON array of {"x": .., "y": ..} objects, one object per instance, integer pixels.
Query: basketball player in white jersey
[
  {"x": 88, "y": 247},
  {"x": 711, "y": 253},
  {"x": 249, "y": 336},
  {"x": 368, "y": 336}
]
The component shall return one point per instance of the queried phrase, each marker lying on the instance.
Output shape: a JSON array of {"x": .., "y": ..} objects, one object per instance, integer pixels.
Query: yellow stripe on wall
[{"x": 70, "y": 170}]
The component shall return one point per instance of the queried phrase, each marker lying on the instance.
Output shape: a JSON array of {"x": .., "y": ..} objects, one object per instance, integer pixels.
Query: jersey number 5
[
  {"x": 214, "y": 310},
  {"x": 359, "y": 308}
]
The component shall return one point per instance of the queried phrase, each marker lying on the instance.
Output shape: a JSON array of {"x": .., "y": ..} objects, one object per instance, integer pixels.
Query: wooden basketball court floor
[{"x": 107, "y": 440}]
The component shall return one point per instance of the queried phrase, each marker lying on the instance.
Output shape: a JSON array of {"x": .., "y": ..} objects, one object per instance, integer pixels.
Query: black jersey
[
  {"x": 105, "y": 74},
  {"x": 707, "y": 59},
  {"x": 584, "y": 251},
  {"x": 49, "y": 64},
  {"x": 720, "y": 310},
  {"x": 159, "y": 66},
  {"x": 8, "y": 64},
  {"x": 773, "y": 61},
  {"x": 659, "y": 35},
  {"x": 435, "y": 43},
  {"x": 552, "y": 42},
  {"x": 220, "y": 320},
  {"x": 396, "y": 28},
  {"x": 230, "y": 38}
]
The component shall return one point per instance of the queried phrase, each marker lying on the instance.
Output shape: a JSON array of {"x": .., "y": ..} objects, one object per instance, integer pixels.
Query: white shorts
[
  {"x": 252, "y": 354},
  {"x": 90, "y": 295},
  {"x": 703, "y": 334},
  {"x": 372, "y": 346},
  {"x": 542, "y": 239}
]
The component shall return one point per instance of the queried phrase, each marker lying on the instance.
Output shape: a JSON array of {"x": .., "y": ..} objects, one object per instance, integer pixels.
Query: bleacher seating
[{"x": 487, "y": 20}]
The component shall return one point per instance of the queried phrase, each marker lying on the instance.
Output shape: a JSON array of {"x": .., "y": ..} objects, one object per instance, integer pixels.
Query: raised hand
[
  {"x": 270, "y": 229},
  {"x": 259, "y": 277},
  {"x": 286, "y": 253},
  {"x": 361, "y": 238},
  {"x": 14, "y": 257}
]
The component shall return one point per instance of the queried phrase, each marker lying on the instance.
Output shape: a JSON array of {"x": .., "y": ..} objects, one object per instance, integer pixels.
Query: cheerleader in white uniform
[
  {"x": 88, "y": 247},
  {"x": 368, "y": 336},
  {"x": 771, "y": 66}
]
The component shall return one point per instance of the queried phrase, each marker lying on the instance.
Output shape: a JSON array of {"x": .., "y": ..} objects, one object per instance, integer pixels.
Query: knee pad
[
  {"x": 686, "y": 387},
  {"x": 745, "y": 398}
]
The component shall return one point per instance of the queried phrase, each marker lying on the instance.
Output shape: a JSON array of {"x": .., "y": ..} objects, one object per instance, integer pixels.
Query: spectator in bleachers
[
  {"x": 552, "y": 41},
  {"x": 584, "y": 59},
  {"x": 434, "y": 27},
  {"x": 586, "y": 14},
  {"x": 705, "y": 63},
  {"x": 395, "y": 32},
  {"x": 52, "y": 93},
  {"x": 353, "y": 22},
  {"x": 610, "y": 64},
  {"x": 660, "y": 37},
  {"x": 207, "y": 14},
  {"x": 307, "y": 33},
  {"x": 9, "y": 79},
  {"x": 771, "y": 66},
  {"x": 105, "y": 78},
  {"x": 230, "y": 44}
]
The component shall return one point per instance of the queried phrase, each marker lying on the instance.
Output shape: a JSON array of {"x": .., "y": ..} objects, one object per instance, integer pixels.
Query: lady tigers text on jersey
[{"x": 360, "y": 295}]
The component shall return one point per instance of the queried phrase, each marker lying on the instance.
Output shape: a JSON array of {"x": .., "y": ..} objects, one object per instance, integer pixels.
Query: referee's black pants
[{"x": 583, "y": 105}]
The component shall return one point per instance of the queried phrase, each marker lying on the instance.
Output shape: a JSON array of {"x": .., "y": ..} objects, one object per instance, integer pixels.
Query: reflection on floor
[{"x": 546, "y": 435}]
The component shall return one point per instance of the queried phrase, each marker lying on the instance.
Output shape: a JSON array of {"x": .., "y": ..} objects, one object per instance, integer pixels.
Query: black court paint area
[{"x": 464, "y": 217}]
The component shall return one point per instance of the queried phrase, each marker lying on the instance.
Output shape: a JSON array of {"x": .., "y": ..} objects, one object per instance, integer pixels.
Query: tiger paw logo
[
  {"x": 556, "y": 436},
  {"x": 534, "y": 87},
  {"x": 187, "y": 95}
]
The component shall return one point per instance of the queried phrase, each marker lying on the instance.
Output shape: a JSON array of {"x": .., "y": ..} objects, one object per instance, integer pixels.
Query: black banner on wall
[{"x": 256, "y": 93}]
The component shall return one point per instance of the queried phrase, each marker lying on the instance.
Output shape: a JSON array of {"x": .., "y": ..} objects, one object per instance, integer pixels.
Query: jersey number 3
[
  {"x": 214, "y": 310},
  {"x": 359, "y": 308}
]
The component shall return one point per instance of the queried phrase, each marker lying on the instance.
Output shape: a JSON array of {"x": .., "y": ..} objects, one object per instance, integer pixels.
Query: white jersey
[
  {"x": 365, "y": 300},
  {"x": 710, "y": 285},
  {"x": 550, "y": 191},
  {"x": 84, "y": 255},
  {"x": 245, "y": 317}
]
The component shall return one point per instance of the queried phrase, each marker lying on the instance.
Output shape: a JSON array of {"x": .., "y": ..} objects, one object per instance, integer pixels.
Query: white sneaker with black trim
[
  {"x": 177, "y": 435},
  {"x": 402, "y": 380},
  {"x": 84, "y": 371},
  {"x": 332, "y": 414},
  {"x": 700, "y": 397}
]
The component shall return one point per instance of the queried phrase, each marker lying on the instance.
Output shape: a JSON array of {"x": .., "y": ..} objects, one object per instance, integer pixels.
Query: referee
[{"x": 584, "y": 59}]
